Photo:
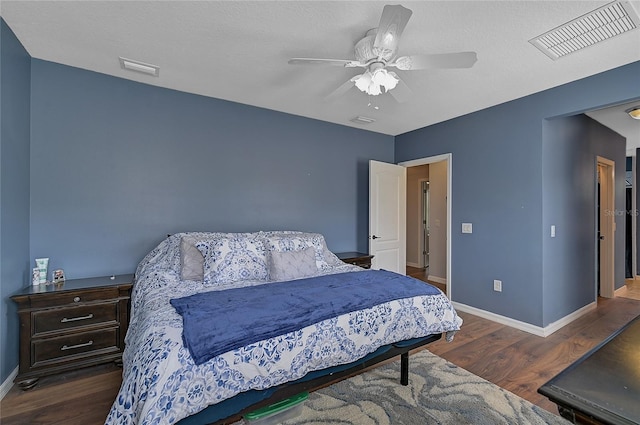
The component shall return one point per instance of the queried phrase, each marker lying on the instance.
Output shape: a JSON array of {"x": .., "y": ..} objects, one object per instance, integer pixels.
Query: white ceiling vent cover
[
  {"x": 137, "y": 66},
  {"x": 362, "y": 120},
  {"x": 603, "y": 23}
]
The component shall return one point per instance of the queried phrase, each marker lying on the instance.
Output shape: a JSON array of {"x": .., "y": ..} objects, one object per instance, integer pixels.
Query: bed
[{"x": 198, "y": 286}]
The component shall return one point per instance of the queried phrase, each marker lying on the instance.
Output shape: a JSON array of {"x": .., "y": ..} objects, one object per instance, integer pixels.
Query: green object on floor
[{"x": 278, "y": 407}]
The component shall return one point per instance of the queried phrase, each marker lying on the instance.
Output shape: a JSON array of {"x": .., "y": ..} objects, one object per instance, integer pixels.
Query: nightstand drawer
[
  {"x": 74, "y": 345},
  {"x": 73, "y": 297},
  {"x": 74, "y": 317}
]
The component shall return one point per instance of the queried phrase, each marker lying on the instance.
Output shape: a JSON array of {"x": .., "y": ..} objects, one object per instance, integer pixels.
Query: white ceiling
[
  {"x": 238, "y": 51},
  {"x": 618, "y": 120}
]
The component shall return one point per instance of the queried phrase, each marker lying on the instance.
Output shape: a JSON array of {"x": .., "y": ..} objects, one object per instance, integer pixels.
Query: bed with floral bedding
[{"x": 196, "y": 287}]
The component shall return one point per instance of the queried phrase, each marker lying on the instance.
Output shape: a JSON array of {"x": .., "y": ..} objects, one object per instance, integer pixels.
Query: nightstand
[
  {"x": 78, "y": 323},
  {"x": 356, "y": 258}
]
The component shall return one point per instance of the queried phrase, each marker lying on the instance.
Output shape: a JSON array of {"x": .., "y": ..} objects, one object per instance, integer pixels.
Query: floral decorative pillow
[
  {"x": 234, "y": 258},
  {"x": 290, "y": 265}
]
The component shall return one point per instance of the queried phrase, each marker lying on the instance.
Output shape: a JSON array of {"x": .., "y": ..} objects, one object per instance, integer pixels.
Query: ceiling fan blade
[
  {"x": 332, "y": 62},
  {"x": 345, "y": 87},
  {"x": 435, "y": 61},
  {"x": 392, "y": 23},
  {"x": 401, "y": 92}
]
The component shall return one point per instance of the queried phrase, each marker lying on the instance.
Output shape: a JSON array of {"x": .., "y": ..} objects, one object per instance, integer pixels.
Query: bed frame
[{"x": 231, "y": 410}]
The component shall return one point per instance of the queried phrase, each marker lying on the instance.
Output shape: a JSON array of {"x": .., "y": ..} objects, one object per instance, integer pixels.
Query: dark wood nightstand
[
  {"x": 356, "y": 258},
  {"x": 78, "y": 323}
]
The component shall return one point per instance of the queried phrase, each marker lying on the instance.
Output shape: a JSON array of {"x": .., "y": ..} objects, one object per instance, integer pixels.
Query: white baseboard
[
  {"x": 523, "y": 326},
  {"x": 8, "y": 383},
  {"x": 437, "y": 279},
  {"x": 416, "y": 265}
]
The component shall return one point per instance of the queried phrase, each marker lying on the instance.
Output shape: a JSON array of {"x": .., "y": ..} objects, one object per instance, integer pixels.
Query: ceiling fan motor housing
[{"x": 365, "y": 52}]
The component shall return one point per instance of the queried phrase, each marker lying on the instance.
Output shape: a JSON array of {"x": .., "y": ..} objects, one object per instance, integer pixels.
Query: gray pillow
[
  {"x": 191, "y": 260},
  {"x": 290, "y": 265}
]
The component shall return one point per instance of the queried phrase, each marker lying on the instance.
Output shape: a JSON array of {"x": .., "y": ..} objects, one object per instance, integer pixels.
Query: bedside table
[
  {"x": 79, "y": 323},
  {"x": 356, "y": 258}
]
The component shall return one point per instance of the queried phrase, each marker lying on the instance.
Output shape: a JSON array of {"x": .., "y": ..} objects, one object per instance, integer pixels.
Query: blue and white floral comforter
[{"x": 162, "y": 384}]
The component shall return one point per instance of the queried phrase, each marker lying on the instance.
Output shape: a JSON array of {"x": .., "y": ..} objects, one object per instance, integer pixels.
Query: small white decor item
[
  {"x": 43, "y": 264},
  {"x": 35, "y": 277},
  {"x": 58, "y": 276}
]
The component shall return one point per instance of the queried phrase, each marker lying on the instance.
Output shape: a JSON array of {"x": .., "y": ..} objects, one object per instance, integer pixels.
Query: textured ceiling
[{"x": 238, "y": 51}]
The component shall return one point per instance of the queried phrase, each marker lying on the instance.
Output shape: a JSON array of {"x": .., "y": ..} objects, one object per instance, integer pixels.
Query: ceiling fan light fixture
[
  {"x": 634, "y": 112},
  {"x": 372, "y": 83},
  {"x": 363, "y": 81},
  {"x": 373, "y": 89},
  {"x": 389, "y": 80}
]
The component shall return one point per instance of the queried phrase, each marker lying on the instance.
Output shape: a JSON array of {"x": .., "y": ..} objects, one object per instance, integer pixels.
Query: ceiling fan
[{"x": 377, "y": 51}]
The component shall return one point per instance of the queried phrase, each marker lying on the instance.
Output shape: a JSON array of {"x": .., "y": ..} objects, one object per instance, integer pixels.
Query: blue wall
[
  {"x": 116, "y": 165},
  {"x": 570, "y": 146},
  {"x": 15, "y": 71},
  {"x": 497, "y": 185}
]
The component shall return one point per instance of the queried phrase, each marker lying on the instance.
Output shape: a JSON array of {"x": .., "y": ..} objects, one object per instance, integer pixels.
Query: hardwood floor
[
  {"x": 423, "y": 274},
  {"x": 521, "y": 362},
  {"x": 512, "y": 359}
]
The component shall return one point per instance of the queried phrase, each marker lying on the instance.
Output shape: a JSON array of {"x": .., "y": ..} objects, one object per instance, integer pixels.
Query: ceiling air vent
[
  {"x": 605, "y": 22},
  {"x": 362, "y": 120},
  {"x": 144, "y": 68}
]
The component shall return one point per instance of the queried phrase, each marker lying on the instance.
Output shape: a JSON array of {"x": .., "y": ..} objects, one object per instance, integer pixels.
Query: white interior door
[{"x": 387, "y": 216}]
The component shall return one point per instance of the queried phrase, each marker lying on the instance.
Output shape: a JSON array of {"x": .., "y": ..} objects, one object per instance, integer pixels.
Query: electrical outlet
[{"x": 497, "y": 285}]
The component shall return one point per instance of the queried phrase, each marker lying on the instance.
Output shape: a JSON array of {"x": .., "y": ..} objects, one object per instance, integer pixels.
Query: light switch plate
[{"x": 467, "y": 228}]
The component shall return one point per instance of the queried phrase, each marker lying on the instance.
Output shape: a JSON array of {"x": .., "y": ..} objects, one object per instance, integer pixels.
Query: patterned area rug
[{"x": 438, "y": 393}]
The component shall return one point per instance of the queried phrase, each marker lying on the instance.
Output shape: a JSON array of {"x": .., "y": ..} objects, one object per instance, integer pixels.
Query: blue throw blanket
[{"x": 219, "y": 321}]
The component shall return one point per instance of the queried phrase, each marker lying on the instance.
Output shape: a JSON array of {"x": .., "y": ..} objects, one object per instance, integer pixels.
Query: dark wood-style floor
[
  {"x": 510, "y": 358},
  {"x": 423, "y": 274}
]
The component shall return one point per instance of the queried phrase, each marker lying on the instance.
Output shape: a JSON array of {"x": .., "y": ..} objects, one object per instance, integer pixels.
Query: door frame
[
  {"x": 607, "y": 211},
  {"x": 634, "y": 220},
  {"x": 448, "y": 157},
  {"x": 421, "y": 248}
]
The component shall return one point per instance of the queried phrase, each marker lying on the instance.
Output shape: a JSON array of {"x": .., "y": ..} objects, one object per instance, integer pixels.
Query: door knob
[{"x": 375, "y": 237}]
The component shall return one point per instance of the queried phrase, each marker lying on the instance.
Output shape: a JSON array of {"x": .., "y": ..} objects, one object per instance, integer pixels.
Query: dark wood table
[{"x": 603, "y": 386}]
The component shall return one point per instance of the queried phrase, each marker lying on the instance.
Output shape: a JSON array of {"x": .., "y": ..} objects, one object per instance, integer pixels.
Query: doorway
[
  {"x": 437, "y": 237},
  {"x": 605, "y": 227},
  {"x": 387, "y": 216}
]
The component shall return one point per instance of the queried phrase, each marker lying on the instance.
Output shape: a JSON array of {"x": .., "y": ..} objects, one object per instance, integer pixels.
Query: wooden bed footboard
[{"x": 290, "y": 389}]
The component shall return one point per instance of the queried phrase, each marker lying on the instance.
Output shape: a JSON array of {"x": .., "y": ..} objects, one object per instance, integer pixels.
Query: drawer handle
[
  {"x": 76, "y": 299},
  {"x": 71, "y": 347},
  {"x": 74, "y": 319}
]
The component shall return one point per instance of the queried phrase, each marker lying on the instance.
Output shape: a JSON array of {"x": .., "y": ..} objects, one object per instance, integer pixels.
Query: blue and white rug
[{"x": 438, "y": 393}]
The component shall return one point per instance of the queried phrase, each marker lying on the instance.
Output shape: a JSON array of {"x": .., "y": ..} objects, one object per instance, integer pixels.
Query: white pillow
[{"x": 290, "y": 265}]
